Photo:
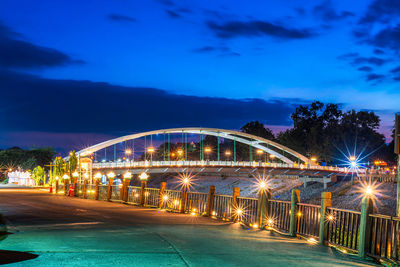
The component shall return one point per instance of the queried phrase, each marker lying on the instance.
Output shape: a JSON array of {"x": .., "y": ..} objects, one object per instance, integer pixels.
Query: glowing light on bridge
[
  {"x": 98, "y": 175},
  {"x": 143, "y": 176},
  {"x": 111, "y": 175},
  {"x": 186, "y": 180},
  {"x": 150, "y": 149},
  {"x": 228, "y": 153},
  {"x": 128, "y": 152},
  {"x": 128, "y": 175},
  {"x": 260, "y": 151},
  {"x": 207, "y": 149}
]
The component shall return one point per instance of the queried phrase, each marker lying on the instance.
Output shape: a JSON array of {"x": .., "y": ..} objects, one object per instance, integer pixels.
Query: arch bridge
[{"x": 182, "y": 149}]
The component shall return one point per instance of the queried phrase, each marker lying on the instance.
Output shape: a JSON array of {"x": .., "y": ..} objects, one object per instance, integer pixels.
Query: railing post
[
  {"x": 293, "y": 212},
  {"x": 96, "y": 189},
  {"x": 109, "y": 188},
  {"x": 84, "y": 189},
  {"x": 124, "y": 189},
  {"x": 235, "y": 195},
  {"x": 163, "y": 186},
  {"x": 65, "y": 187},
  {"x": 74, "y": 184},
  {"x": 262, "y": 209},
  {"x": 56, "y": 189},
  {"x": 210, "y": 200},
  {"x": 143, "y": 185},
  {"x": 184, "y": 199},
  {"x": 326, "y": 201},
  {"x": 367, "y": 207}
]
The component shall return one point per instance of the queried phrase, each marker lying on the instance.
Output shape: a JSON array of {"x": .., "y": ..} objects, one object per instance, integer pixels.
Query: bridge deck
[{"x": 72, "y": 232}]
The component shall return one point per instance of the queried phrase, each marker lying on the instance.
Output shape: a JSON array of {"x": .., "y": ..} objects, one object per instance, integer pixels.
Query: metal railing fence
[
  {"x": 279, "y": 215},
  {"x": 308, "y": 219}
]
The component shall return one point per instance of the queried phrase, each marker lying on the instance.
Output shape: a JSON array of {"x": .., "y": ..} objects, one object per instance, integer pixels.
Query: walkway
[{"x": 75, "y": 232}]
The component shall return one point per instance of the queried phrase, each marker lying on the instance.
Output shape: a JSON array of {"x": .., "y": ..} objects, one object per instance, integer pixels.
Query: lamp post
[
  {"x": 260, "y": 152},
  {"x": 207, "y": 150},
  {"x": 151, "y": 150}
]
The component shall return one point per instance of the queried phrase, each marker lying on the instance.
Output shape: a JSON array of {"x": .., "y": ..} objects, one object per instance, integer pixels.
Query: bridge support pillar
[
  {"x": 326, "y": 201},
  {"x": 161, "y": 200},
  {"x": 367, "y": 207},
  {"x": 262, "y": 210},
  {"x": 96, "y": 189},
  {"x": 210, "y": 200},
  {"x": 143, "y": 185},
  {"x": 84, "y": 189},
  {"x": 293, "y": 212},
  {"x": 109, "y": 188},
  {"x": 235, "y": 206}
]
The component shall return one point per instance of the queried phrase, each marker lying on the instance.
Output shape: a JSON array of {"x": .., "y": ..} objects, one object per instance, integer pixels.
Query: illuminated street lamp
[
  {"x": 151, "y": 151},
  {"x": 98, "y": 175},
  {"x": 207, "y": 150},
  {"x": 143, "y": 176},
  {"x": 111, "y": 175},
  {"x": 128, "y": 152},
  {"x": 272, "y": 156},
  {"x": 128, "y": 175},
  {"x": 65, "y": 177}
]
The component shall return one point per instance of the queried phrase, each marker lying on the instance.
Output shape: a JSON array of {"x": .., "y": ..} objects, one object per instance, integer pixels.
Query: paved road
[{"x": 60, "y": 231}]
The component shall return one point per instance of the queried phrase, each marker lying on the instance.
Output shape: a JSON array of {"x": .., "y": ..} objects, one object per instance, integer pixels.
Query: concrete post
[
  {"x": 184, "y": 199},
  {"x": 84, "y": 188},
  {"x": 367, "y": 207},
  {"x": 96, "y": 189},
  {"x": 56, "y": 189},
  {"x": 74, "y": 184},
  {"x": 125, "y": 188},
  {"x": 143, "y": 185},
  {"x": 109, "y": 189},
  {"x": 293, "y": 212},
  {"x": 235, "y": 195},
  {"x": 326, "y": 201},
  {"x": 262, "y": 210},
  {"x": 163, "y": 186},
  {"x": 210, "y": 200}
]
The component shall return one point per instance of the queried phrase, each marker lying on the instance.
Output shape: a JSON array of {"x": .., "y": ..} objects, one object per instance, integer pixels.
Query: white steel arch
[{"x": 254, "y": 141}]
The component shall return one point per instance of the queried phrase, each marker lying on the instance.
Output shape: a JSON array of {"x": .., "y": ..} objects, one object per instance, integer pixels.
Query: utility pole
[{"x": 397, "y": 151}]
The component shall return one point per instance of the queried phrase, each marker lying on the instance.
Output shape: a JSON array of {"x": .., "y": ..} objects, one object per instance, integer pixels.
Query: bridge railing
[
  {"x": 206, "y": 163},
  {"x": 341, "y": 228}
]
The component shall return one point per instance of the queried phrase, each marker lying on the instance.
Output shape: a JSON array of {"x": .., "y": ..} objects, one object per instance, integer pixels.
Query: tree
[
  {"x": 38, "y": 174},
  {"x": 59, "y": 168},
  {"x": 72, "y": 163},
  {"x": 258, "y": 129}
]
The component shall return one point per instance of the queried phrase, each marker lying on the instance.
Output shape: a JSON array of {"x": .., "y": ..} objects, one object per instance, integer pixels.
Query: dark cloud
[
  {"x": 17, "y": 53},
  {"x": 168, "y": 3},
  {"x": 396, "y": 70},
  {"x": 396, "y": 78},
  {"x": 365, "y": 68},
  {"x": 222, "y": 51},
  {"x": 369, "y": 60},
  {"x": 327, "y": 13},
  {"x": 173, "y": 14},
  {"x": 229, "y": 54},
  {"x": 379, "y": 52},
  {"x": 348, "y": 56},
  {"x": 184, "y": 10},
  {"x": 374, "y": 77},
  {"x": 121, "y": 18},
  {"x": 387, "y": 38},
  {"x": 381, "y": 11},
  {"x": 31, "y": 103},
  {"x": 257, "y": 28}
]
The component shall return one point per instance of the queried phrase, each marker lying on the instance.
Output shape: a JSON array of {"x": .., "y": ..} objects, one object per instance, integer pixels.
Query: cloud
[
  {"x": 381, "y": 11},
  {"x": 370, "y": 60},
  {"x": 32, "y": 103},
  {"x": 121, "y": 18},
  {"x": 173, "y": 14},
  {"x": 168, "y": 3},
  {"x": 327, "y": 13},
  {"x": 387, "y": 38},
  {"x": 365, "y": 68},
  {"x": 379, "y": 52},
  {"x": 15, "y": 53},
  {"x": 374, "y": 77},
  {"x": 396, "y": 70},
  {"x": 348, "y": 56},
  {"x": 257, "y": 28},
  {"x": 222, "y": 51}
]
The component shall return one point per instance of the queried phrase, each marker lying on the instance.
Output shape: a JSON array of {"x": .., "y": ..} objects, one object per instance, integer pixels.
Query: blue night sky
[{"x": 76, "y": 72}]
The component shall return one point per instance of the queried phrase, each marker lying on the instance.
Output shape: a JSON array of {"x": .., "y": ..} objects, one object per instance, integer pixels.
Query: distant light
[
  {"x": 352, "y": 158},
  {"x": 263, "y": 185},
  {"x": 98, "y": 175},
  {"x": 353, "y": 164},
  {"x": 57, "y": 178},
  {"x": 207, "y": 149},
  {"x": 260, "y": 151},
  {"x": 369, "y": 190},
  {"x": 128, "y": 152},
  {"x": 75, "y": 174},
  {"x": 330, "y": 217},
  {"x": 150, "y": 149},
  {"x": 228, "y": 153},
  {"x": 111, "y": 175},
  {"x": 272, "y": 156},
  {"x": 65, "y": 176},
  {"x": 180, "y": 151},
  {"x": 239, "y": 211},
  {"x": 313, "y": 159},
  {"x": 165, "y": 197}
]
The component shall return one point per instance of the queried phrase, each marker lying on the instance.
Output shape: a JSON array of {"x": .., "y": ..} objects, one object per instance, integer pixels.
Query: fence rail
[
  {"x": 196, "y": 202},
  {"x": 249, "y": 207},
  {"x": 279, "y": 215},
  {"x": 385, "y": 237},
  {"x": 343, "y": 227},
  {"x": 308, "y": 219},
  {"x": 172, "y": 200},
  {"x": 103, "y": 192},
  {"x": 116, "y": 193},
  {"x": 151, "y": 197},
  {"x": 134, "y": 194},
  {"x": 90, "y": 191},
  {"x": 222, "y": 207}
]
